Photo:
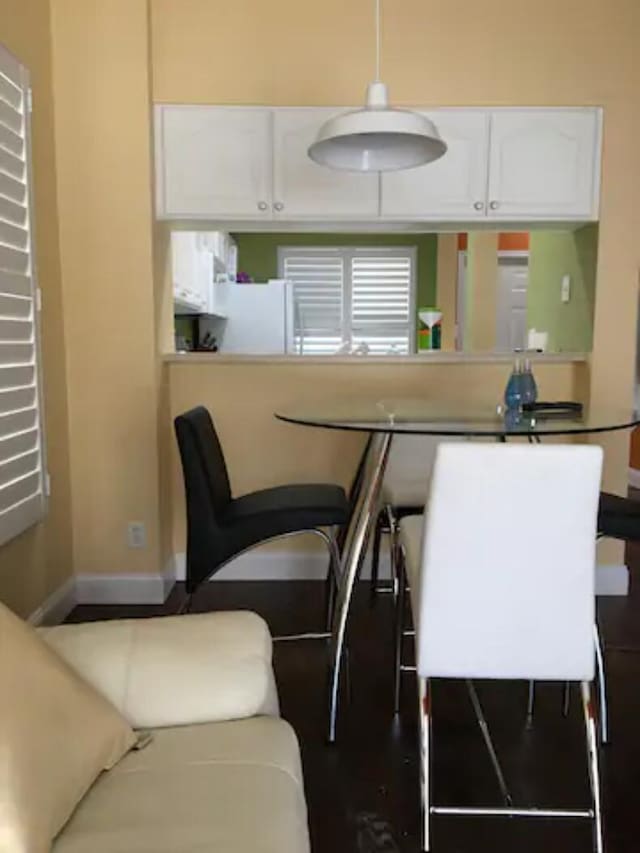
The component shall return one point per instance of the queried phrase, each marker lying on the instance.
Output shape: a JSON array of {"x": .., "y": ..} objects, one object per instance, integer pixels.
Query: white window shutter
[
  {"x": 22, "y": 501},
  {"x": 382, "y": 310},
  {"x": 344, "y": 297},
  {"x": 318, "y": 298}
]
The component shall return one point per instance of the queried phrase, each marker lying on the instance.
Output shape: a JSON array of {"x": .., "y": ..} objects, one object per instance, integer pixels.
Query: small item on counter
[
  {"x": 429, "y": 328},
  {"x": 528, "y": 384},
  {"x": 244, "y": 278},
  {"x": 513, "y": 391}
]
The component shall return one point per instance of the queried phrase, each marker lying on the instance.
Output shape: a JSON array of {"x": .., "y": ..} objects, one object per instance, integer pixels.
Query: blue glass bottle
[
  {"x": 513, "y": 392},
  {"x": 529, "y": 389}
]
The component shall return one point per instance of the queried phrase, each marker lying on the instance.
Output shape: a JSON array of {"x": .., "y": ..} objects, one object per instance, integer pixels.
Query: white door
[
  {"x": 511, "y": 304},
  {"x": 213, "y": 162},
  {"x": 451, "y": 188},
  {"x": 544, "y": 163},
  {"x": 302, "y": 188}
]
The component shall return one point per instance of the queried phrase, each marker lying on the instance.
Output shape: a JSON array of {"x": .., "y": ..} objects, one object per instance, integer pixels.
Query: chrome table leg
[{"x": 352, "y": 555}]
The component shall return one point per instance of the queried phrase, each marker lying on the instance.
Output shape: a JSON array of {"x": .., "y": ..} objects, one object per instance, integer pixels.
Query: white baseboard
[
  {"x": 634, "y": 478},
  {"x": 57, "y": 606},
  {"x": 268, "y": 565},
  {"x": 612, "y": 579},
  {"x": 124, "y": 589}
]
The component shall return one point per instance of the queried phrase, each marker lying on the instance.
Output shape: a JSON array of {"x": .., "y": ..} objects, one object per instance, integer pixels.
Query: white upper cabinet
[
  {"x": 213, "y": 162},
  {"x": 451, "y": 188},
  {"x": 304, "y": 190},
  {"x": 544, "y": 164}
]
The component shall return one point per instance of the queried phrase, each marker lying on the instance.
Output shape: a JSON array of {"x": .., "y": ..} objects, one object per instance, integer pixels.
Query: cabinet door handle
[
  {"x": 479, "y": 205},
  {"x": 278, "y": 206},
  {"x": 494, "y": 205},
  {"x": 262, "y": 205}
]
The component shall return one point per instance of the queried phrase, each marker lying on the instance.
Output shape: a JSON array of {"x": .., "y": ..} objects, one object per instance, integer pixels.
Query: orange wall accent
[{"x": 511, "y": 241}]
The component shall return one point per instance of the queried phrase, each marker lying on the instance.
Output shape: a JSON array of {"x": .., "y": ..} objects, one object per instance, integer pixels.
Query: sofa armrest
[{"x": 175, "y": 670}]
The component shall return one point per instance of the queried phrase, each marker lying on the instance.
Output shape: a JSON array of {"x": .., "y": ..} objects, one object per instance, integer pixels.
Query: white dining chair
[{"x": 501, "y": 574}]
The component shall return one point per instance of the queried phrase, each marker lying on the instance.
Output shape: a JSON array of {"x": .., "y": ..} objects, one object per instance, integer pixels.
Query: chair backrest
[
  {"x": 207, "y": 489},
  {"x": 507, "y": 582}
]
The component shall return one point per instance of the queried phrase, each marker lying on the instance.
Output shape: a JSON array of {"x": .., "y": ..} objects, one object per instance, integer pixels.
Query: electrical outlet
[
  {"x": 565, "y": 288},
  {"x": 136, "y": 535}
]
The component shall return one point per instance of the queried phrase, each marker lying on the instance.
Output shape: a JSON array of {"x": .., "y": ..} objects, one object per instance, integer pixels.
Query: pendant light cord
[{"x": 377, "y": 41}]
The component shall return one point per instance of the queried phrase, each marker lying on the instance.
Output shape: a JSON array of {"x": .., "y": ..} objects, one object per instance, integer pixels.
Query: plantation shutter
[
  {"x": 318, "y": 299},
  {"x": 381, "y": 300},
  {"x": 347, "y": 297},
  {"x": 22, "y": 500}
]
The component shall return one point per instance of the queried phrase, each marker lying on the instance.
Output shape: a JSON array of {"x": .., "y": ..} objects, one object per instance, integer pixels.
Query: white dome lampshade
[{"x": 377, "y": 138}]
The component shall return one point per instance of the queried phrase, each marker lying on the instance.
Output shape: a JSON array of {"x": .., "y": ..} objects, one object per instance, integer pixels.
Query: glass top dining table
[
  {"x": 384, "y": 418},
  {"x": 425, "y": 417}
]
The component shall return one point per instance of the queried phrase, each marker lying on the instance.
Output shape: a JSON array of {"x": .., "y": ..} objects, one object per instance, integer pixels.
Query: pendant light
[{"x": 377, "y": 138}]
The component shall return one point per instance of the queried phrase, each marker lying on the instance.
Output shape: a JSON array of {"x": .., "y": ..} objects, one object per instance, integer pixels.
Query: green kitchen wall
[
  {"x": 258, "y": 254},
  {"x": 553, "y": 254}
]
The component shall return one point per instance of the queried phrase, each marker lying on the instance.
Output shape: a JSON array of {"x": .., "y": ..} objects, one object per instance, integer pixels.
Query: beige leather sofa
[{"x": 221, "y": 771}]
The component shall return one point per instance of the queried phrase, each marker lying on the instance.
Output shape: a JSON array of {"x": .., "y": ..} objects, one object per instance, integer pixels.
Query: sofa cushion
[
  {"x": 229, "y": 787},
  {"x": 56, "y": 735},
  {"x": 175, "y": 670}
]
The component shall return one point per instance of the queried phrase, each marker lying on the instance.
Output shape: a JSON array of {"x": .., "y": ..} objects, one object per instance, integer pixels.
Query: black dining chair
[{"x": 220, "y": 526}]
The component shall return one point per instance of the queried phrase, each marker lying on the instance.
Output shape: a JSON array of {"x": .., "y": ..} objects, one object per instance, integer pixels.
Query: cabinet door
[
  {"x": 213, "y": 162},
  {"x": 302, "y": 188},
  {"x": 451, "y": 188},
  {"x": 544, "y": 163}
]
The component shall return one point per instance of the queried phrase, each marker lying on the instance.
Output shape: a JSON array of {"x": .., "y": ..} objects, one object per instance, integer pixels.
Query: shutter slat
[
  {"x": 11, "y": 211},
  {"x": 18, "y": 422},
  {"x": 19, "y": 467},
  {"x": 10, "y": 93},
  {"x": 12, "y": 235},
  {"x": 15, "y": 330},
  {"x": 16, "y": 400},
  {"x": 16, "y": 377},
  {"x": 13, "y": 260},
  {"x": 11, "y": 188},
  {"x": 14, "y": 493},
  {"x": 15, "y": 307},
  {"x": 14, "y": 284},
  {"x": 11, "y": 141},
  {"x": 12, "y": 165},
  {"x": 17, "y": 444},
  {"x": 15, "y": 354},
  {"x": 11, "y": 117}
]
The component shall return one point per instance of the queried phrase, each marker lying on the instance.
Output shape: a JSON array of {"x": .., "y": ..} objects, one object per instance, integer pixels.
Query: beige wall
[
  {"x": 102, "y": 85},
  {"x": 38, "y": 562},
  {"x": 481, "y": 291}
]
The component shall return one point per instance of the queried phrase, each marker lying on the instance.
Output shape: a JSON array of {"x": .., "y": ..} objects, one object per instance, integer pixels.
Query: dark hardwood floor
[{"x": 363, "y": 792}]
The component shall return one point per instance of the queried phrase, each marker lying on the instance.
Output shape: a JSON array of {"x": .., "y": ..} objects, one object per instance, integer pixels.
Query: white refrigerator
[{"x": 258, "y": 318}]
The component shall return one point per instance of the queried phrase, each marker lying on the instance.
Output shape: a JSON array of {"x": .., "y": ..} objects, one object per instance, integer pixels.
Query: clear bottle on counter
[{"x": 514, "y": 391}]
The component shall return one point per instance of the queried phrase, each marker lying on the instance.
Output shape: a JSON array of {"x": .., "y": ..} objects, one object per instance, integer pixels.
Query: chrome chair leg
[
  {"x": 594, "y": 771},
  {"x": 602, "y": 688},
  {"x": 375, "y": 555},
  {"x": 185, "y": 607},
  {"x": 531, "y": 703},
  {"x": 399, "y": 628},
  {"x": 424, "y": 715},
  {"x": 486, "y": 735}
]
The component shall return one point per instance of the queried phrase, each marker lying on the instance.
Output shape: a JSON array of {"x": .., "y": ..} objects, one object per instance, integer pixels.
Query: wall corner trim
[{"x": 57, "y": 606}]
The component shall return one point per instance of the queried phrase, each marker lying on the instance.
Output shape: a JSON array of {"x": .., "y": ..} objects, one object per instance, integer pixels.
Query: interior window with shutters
[
  {"x": 351, "y": 299},
  {"x": 22, "y": 500}
]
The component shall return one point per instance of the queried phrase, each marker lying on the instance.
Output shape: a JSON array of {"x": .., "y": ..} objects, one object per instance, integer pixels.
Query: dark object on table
[{"x": 557, "y": 409}]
